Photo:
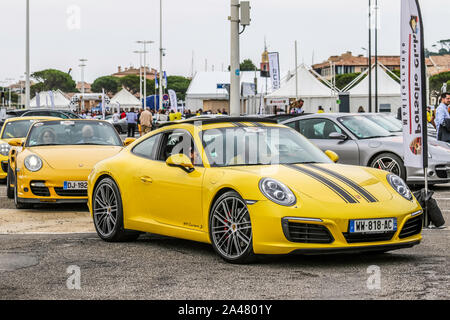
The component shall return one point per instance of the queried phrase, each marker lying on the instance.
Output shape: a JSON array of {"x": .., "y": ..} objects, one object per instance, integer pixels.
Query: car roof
[
  {"x": 30, "y": 118},
  {"x": 332, "y": 115},
  {"x": 221, "y": 120}
]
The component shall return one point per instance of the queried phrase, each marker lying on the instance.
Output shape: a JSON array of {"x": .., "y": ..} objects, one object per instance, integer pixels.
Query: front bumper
[
  {"x": 39, "y": 187},
  {"x": 3, "y": 166},
  {"x": 437, "y": 173},
  {"x": 269, "y": 237}
]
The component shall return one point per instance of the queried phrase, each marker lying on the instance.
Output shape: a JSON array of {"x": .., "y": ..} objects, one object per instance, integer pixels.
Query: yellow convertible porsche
[
  {"x": 249, "y": 186},
  {"x": 56, "y": 158}
]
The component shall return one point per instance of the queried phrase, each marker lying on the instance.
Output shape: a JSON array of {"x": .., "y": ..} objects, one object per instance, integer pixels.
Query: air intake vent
[{"x": 306, "y": 232}]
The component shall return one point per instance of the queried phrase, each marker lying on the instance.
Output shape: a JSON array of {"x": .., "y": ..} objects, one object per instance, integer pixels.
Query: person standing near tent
[
  {"x": 132, "y": 121},
  {"x": 442, "y": 114},
  {"x": 146, "y": 121},
  {"x": 139, "y": 127},
  {"x": 320, "y": 110}
]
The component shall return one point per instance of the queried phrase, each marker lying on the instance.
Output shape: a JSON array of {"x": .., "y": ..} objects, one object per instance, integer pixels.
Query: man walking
[
  {"x": 132, "y": 121},
  {"x": 146, "y": 120},
  {"x": 442, "y": 114}
]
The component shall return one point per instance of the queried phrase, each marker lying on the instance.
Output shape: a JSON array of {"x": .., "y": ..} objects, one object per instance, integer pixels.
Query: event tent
[
  {"x": 124, "y": 99},
  {"x": 310, "y": 89},
  {"x": 44, "y": 100},
  {"x": 389, "y": 97}
]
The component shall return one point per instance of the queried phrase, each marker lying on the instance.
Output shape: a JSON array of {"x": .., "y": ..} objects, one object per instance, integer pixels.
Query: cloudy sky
[{"x": 105, "y": 31}]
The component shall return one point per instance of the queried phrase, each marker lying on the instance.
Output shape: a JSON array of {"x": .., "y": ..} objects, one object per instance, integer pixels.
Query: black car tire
[
  {"x": 247, "y": 256},
  {"x": 9, "y": 179},
  {"x": 103, "y": 218},
  {"x": 401, "y": 171}
]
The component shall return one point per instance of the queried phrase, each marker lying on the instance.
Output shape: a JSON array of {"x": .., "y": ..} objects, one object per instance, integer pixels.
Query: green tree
[
  {"x": 52, "y": 79},
  {"x": 179, "y": 85},
  {"x": 247, "y": 65},
  {"x": 109, "y": 83},
  {"x": 437, "y": 80},
  {"x": 342, "y": 80}
]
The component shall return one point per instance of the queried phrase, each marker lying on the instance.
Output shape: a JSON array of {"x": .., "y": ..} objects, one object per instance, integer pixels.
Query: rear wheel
[
  {"x": 391, "y": 163},
  {"x": 108, "y": 213},
  {"x": 230, "y": 229}
]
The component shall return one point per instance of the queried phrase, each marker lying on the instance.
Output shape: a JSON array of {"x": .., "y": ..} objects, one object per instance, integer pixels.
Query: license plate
[
  {"x": 75, "y": 185},
  {"x": 373, "y": 225}
]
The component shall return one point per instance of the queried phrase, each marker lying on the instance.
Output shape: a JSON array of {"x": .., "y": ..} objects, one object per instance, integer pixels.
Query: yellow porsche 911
[
  {"x": 249, "y": 186},
  {"x": 56, "y": 159},
  {"x": 13, "y": 128}
]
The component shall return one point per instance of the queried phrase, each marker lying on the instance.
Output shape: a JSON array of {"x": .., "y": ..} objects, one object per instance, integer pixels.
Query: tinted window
[
  {"x": 147, "y": 147},
  {"x": 292, "y": 124},
  {"x": 17, "y": 129},
  {"x": 318, "y": 128}
]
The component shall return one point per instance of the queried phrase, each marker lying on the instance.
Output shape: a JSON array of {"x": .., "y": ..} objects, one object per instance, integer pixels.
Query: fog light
[{"x": 25, "y": 189}]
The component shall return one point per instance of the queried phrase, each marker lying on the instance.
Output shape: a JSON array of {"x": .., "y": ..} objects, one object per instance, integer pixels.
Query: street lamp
[
  {"x": 140, "y": 72},
  {"x": 27, "y": 56},
  {"x": 82, "y": 65},
  {"x": 145, "y": 42}
]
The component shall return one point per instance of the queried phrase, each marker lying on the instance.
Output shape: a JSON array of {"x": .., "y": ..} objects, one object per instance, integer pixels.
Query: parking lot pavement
[{"x": 40, "y": 251}]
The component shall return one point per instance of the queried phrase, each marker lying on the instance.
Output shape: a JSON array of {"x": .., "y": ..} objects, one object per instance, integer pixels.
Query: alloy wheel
[
  {"x": 388, "y": 164},
  {"x": 105, "y": 209},
  {"x": 231, "y": 227}
]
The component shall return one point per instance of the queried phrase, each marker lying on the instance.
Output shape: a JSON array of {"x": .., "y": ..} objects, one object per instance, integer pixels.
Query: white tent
[
  {"x": 125, "y": 100},
  {"x": 60, "y": 101},
  {"x": 389, "y": 98},
  {"x": 310, "y": 89},
  {"x": 204, "y": 86}
]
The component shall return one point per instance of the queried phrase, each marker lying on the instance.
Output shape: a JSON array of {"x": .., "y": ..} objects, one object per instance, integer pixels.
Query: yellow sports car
[
  {"x": 13, "y": 128},
  {"x": 56, "y": 159},
  {"x": 249, "y": 186}
]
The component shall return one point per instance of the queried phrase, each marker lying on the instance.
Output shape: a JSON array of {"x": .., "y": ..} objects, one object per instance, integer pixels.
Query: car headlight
[
  {"x": 4, "y": 149},
  {"x": 277, "y": 192},
  {"x": 399, "y": 185},
  {"x": 33, "y": 163}
]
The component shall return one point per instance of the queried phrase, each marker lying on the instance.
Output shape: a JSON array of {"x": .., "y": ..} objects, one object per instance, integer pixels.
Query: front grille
[
  {"x": 306, "y": 232},
  {"x": 368, "y": 237},
  {"x": 5, "y": 166},
  {"x": 40, "y": 191},
  {"x": 70, "y": 193},
  {"x": 412, "y": 227}
]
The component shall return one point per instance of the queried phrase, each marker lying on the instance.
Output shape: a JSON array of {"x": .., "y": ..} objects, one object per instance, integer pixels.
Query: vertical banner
[
  {"x": 173, "y": 100},
  {"x": 274, "y": 69},
  {"x": 38, "y": 99},
  {"x": 103, "y": 104},
  {"x": 413, "y": 86}
]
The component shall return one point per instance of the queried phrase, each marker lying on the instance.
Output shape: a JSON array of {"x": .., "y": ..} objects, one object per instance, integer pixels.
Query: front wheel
[
  {"x": 9, "y": 180},
  {"x": 391, "y": 163},
  {"x": 108, "y": 213},
  {"x": 230, "y": 229}
]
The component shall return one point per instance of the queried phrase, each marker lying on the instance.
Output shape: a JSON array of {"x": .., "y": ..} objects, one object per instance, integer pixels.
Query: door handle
[{"x": 146, "y": 179}]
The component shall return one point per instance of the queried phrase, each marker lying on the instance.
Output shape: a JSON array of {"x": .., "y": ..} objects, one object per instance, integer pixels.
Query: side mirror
[
  {"x": 332, "y": 155},
  {"x": 337, "y": 136},
  {"x": 182, "y": 161},
  {"x": 128, "y": 141},
  {"x": 16, "y": 142}
]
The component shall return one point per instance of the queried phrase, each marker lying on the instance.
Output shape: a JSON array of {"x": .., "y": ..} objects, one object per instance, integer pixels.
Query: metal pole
[
  {"x": 160, "y": 56},
  {"x": 145, "y": 76},
  {"x": 82, "y": 65},
  {"x": 234, "y": 59},
  {"x": 370, "y": 56},
  {"x": 27, "y": 57},
  {"x": 376, "y": 55},
  {"x": 296, "y": 71}
]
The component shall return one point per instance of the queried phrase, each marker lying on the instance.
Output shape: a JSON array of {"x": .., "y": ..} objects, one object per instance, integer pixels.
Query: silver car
[{"x": 360, "y": 141}]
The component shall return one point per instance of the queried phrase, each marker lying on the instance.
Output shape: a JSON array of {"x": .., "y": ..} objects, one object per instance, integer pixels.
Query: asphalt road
[{"x": 45, "y": 264}]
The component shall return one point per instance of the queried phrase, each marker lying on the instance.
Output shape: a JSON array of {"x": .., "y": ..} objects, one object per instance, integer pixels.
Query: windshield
[
  {"x": 17, "y": 129},
  {"x": 259, "y": 146},
  {"x": 363, "y": 128},
  {"x": 384, "y": 122},
  {"x": 68, "y": 132}
]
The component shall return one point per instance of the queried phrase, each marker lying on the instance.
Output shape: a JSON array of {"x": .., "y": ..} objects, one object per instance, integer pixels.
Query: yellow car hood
[
  {"x": 332, "y": 183},
  {"x": 72, "y": 157}
]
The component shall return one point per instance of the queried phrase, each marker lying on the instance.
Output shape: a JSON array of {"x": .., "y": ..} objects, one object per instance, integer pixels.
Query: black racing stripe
[
  {"x": 258, "y": 124},
  {"x": 347, "y": 197},
  {"x": 238, "y": 124},
  {"x": 363, "y": 192}
]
